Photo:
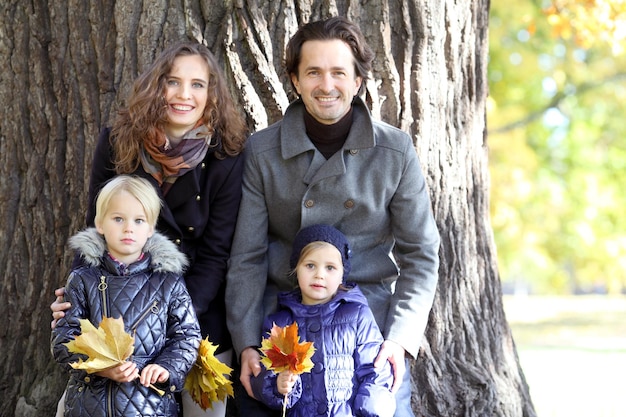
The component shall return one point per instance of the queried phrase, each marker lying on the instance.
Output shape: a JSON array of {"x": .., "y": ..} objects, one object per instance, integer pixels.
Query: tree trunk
[{"x": 65, "y": 66}]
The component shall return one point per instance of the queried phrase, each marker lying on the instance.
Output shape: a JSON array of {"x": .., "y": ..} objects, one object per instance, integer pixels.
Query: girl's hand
[
  {"x": 153, "y": 373},
  {"x": 125, "y": 372},
  {"x": 285, "y": 382}
]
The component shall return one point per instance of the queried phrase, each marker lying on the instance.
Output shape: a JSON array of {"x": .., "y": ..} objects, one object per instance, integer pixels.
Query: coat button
[
  {"x": 173, "y": 388},
  {"x": 315, "y": 327},
  {"x": 191, "y": 228},
  {"x": 203, "y": 165},
  {"x": 87, "y": 379},
  {"x": 349, "y": 204},
  {"x": 309, "y": 203},
  {"x": 177, "y": 241},
  {"x": 354, "y": 151},
  {"x": 198, "y": 198}
]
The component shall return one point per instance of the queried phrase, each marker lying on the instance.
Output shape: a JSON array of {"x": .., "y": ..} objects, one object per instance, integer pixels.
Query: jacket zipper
[
  {"x": 152, "y": 308},
  {"x": 102, "y": 287},
  {"x": 103, "y": 291},
  {"x": 109, "y": 407}
]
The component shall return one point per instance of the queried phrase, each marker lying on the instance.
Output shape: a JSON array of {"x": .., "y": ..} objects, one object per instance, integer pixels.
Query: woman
[{"x": 182, "y": 132}]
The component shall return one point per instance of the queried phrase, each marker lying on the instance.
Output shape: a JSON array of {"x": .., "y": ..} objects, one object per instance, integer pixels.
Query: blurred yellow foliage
[
  {"x": 557, "y": 149},
  {"x": 588, "y": 22}
]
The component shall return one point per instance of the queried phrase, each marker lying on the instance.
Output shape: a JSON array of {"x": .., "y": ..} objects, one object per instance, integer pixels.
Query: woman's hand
[{"x": 59, "y": 306}]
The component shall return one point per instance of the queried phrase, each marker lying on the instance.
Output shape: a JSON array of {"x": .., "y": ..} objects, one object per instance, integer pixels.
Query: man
[{"x": 329, "y": 162}]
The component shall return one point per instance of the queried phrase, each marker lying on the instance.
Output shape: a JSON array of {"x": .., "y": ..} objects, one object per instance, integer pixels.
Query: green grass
[{"x": 573, "y": 353}]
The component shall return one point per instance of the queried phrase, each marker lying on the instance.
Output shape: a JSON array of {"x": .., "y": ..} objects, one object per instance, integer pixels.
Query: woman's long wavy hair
[{"x": 145, "y": 116}]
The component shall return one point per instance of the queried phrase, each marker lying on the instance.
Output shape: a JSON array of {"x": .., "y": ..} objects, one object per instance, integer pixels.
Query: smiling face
[
  {"x": 186, "y": 94},
  {"x": 326, "y": 80},
  {"x": 125, "y": 227},
  {"x": 319, "y": 272}
]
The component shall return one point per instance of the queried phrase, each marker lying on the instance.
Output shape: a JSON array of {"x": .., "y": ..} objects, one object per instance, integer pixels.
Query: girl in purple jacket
[{"x": 334, "y": 316}]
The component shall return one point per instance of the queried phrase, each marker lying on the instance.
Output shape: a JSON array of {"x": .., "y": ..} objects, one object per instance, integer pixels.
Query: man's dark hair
[{"x": 325, "y": 30}]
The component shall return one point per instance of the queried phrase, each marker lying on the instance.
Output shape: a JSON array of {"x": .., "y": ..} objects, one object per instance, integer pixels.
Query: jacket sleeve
[
  {"x": 183, "y": 337},
  {"x": 416, "y": 251},
  {"x": 373, "y": 385},
  {"x": 68, "y": 327},
  {"x": 248, "y": 265}
]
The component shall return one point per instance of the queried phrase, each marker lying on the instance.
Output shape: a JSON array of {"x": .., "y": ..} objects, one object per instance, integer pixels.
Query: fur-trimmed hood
[{"x": 165, "y": 256}]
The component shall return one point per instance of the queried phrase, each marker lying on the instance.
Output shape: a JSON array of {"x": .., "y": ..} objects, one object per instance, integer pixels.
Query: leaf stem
[{"x": 159, "y": 391}]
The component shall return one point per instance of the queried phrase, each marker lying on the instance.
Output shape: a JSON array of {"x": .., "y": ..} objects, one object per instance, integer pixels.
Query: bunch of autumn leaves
[{"x": 109, "y": 345}]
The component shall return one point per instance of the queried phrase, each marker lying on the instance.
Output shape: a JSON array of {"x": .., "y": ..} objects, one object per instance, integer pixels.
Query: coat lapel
[{"x": 295, "y": 142}]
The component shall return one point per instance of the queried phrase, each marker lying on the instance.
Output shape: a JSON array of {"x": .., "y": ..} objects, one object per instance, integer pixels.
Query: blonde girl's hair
[
  {"x": 138, "y": 187},
  {"x": 145, "y": 116}
]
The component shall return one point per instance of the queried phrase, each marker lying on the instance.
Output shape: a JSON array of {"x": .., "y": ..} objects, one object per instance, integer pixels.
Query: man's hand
[
  {"x": 59, "y": 306},
  {"x": 394, "y": 353},
  {"x": 250, "y": 365}
]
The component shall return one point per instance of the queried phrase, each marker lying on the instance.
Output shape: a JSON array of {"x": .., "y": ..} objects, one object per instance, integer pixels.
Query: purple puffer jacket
[{"x": 343, "y": 381}]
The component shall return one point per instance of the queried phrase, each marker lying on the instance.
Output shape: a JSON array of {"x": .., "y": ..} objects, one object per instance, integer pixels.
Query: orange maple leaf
[{"x": 283, "y": 351}]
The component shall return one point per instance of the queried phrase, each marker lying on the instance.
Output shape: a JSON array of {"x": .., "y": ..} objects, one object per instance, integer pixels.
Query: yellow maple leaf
[
  {"x": 283, "y": 351},
  {"x": 206, "y": 381},
  {"x": 106, "y": 346}
]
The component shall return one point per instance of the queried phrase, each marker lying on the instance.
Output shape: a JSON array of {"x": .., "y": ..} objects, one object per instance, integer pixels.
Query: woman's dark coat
[{"x": 199, "y": 215}]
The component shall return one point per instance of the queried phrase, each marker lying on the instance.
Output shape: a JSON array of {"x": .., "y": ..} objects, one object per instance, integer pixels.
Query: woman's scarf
[{"x": 166, "y": 164}]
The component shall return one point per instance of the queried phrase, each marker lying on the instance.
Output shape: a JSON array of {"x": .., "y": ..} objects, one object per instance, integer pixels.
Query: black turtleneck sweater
[{"x": 328, "y": 139}]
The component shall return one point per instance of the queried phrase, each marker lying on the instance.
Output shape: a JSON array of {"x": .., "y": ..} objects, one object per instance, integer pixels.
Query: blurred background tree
[{"x": 557, "y": 76}]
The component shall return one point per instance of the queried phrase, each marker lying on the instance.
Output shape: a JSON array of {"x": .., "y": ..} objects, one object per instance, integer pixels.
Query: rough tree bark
[{"x": 65, "y": 66}]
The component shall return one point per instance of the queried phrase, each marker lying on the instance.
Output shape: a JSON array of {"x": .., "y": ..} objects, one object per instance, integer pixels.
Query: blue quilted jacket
[
  {"x": 151, "y": 297},
  {"x": 343, "y": 381}
]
